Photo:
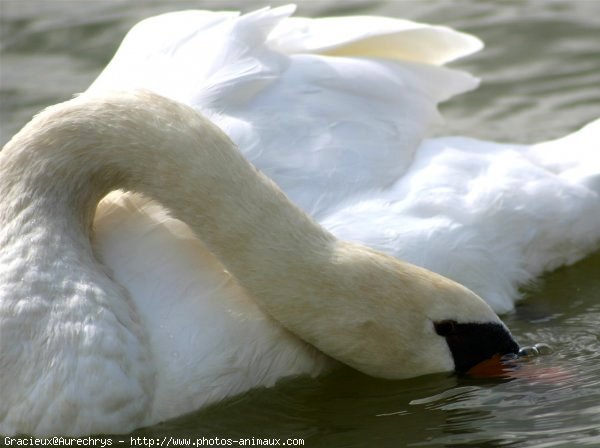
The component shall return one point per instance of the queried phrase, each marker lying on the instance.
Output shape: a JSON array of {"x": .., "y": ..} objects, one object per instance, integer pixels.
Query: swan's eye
[{"x": 445, "y": 328}]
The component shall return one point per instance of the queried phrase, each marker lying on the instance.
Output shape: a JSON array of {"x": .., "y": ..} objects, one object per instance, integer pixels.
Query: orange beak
[{"x": 495, "y": 366}]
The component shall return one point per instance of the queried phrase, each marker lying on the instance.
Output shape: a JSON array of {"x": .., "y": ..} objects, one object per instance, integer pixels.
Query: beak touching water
[{"x": 474, "y": 345}]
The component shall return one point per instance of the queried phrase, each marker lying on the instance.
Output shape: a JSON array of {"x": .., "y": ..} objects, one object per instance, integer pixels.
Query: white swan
[
  {"x": 334, "y": 110},
  {"x": 78, "y": 354},
  {"x": 341, "y": 132}
]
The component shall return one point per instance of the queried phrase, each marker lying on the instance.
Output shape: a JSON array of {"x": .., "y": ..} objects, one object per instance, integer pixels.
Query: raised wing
[{"x": 328, "y": 108}]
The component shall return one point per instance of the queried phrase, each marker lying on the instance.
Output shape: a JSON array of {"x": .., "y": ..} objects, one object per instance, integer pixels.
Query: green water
[{"x": 540, "y": 79}]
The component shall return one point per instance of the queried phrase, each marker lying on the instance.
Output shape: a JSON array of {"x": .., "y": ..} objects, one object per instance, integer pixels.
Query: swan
[
  {"x": 77, "y": 354},
  {"x": 337, "y": 110}
]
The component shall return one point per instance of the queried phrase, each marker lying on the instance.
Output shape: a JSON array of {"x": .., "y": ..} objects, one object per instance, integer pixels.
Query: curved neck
[
  {"x": 358, "y": 306},
  {"x": 73, "y": 154}
]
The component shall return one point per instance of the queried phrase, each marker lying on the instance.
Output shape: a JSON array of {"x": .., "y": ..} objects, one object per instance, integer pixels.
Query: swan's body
[
  {"x": 79, "y": 356},
  {"x": 345, "y": 144},
  {"x": 340, "y": 130}
]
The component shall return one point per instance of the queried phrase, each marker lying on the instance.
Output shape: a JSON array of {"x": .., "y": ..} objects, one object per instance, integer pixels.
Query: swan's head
[{"x": 396, "y": 320}]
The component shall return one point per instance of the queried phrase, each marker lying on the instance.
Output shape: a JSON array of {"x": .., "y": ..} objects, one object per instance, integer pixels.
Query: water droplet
[
  {"x": 543, "y": 349},
  {"x": 528, "y": 350}
]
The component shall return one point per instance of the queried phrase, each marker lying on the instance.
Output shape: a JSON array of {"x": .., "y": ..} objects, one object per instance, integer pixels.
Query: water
[{"x": 541, "y": 79}]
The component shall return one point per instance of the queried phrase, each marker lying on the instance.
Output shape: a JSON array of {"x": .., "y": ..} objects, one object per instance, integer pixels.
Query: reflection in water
[{"x": 540, "y": 74}]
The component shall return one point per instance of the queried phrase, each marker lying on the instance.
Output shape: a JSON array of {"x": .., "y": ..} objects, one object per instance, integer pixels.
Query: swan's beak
[{"x": 472, "y": 344}]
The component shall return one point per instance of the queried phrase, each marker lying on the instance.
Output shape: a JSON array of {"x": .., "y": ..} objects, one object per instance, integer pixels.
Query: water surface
[{"x": 540, "y": 79}]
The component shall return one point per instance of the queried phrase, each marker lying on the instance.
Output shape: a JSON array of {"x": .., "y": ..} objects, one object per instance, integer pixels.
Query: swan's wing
[
  {"x": 373, "y": 37},
  {"x": 324, "y": 127},
  {"x": 575, "y": 158},
  {"x": 491, "y": 216}
]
